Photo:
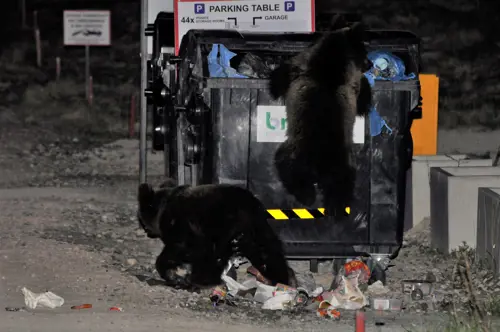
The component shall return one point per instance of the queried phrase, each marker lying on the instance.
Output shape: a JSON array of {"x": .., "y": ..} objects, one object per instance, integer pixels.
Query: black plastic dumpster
[{"x": 213, "y": 125}]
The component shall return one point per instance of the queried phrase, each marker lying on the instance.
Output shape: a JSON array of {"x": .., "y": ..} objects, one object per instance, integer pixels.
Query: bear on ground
[
  {"x": 203, "y": 227},
  {"x": 324, "y": 89}
]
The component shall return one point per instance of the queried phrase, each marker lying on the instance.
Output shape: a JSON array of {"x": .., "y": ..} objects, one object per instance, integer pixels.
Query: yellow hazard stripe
[
  {"x": 303, "y": 213},
  {"x": 279, "y": 214},
  {"x": 347, "y": 209}
]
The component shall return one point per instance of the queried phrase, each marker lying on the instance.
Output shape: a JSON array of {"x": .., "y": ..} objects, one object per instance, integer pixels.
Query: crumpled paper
[
  {"x": 47, "y": 299},
  {"x": 279, "y": 301},
  {"x": 377, "y": 288}
]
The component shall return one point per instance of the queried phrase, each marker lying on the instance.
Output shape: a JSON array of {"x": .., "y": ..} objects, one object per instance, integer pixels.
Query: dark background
[{"x": 460, "y": 43}]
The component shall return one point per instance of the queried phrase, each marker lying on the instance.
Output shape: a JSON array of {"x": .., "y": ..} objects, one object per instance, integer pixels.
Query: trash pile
[
  {"x": 387, "y": 67},
  {"x": 349, "y": 293}
]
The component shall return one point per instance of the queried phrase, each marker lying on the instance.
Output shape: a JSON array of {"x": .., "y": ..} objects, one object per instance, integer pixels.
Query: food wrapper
[
  {"x": 357, "y": 267},
  {"x": 325, "y": 309}
]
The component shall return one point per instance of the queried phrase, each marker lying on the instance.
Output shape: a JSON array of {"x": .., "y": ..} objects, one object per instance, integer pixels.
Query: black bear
[
  {"x": 324, "y": 89},
  {"x": 204, "y": 226}
]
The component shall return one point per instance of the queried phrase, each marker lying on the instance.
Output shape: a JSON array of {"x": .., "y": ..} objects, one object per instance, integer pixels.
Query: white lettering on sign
[
  {"x": 244, "y": 15},
  {"x": 272, "y": 124},
  {"x": 87, "y": 27}
]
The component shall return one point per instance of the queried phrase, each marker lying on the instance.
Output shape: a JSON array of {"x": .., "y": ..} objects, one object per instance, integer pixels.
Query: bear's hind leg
[
  {"x": 294, "y": 174},
  {"x": 338, "y": 190}
]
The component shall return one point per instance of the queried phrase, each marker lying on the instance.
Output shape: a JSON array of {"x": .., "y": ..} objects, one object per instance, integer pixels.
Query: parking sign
[
  {"x": 199, "y": 8},
  {"x": 277, "y": 16}
]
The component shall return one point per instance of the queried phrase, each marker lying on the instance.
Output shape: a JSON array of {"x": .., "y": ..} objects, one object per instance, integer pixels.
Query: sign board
[
  {"x": 244, "y": 15},
  {"x": 271, "y": 125},
  {"x": 87, "y": 27}
]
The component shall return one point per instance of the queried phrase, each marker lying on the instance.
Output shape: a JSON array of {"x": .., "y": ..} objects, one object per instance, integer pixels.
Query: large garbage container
[{"x": 214, "y": 125}]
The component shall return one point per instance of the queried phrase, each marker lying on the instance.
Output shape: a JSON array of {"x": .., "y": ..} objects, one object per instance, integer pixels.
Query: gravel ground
[{"x": 68, "y": 225}]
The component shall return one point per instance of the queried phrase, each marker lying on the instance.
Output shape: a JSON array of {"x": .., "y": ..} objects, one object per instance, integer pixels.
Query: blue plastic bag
[
  {"x": 377, "y": 124},
  {"x": 214, "y": 68},
  {"x": 370, "y": 78},
  {"x": 219, "y": 62},
  {"x": 387, "y": 67}
]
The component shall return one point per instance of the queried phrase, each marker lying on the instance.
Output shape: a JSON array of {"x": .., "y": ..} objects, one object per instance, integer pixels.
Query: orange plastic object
[
  {"x": 115, "y": 309},
  {"x": 424, "y": 131},
  {"x": 83, "y": 306},
  {"x": 331, "y": 313},
  {"x": 360, "y": 321},
  {"x": 357, "y": 266}
]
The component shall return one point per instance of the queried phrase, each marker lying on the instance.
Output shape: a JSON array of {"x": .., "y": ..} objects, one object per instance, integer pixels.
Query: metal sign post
[
  {"x": 87, "y": 28},
  {"x": 144, "y": 105},
  {"x": 87, "y": 72}
]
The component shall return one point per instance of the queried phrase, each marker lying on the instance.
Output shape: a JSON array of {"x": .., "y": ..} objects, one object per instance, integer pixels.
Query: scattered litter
[
  {"x": 325, "y": 309},
  {"x": 218, "y": 295},
  {"x": 47, "y": 299},
  {"x": 385, "y": 304},
  {"x": 282, "y": 288},
  {"x": 256, "y": 273},
  {"x": 348, "y": 295},
  {"x": 14, "y": 309},
  {"x": 115, "y": 309},
  {"x": 82, "y": 306},
  {"x": 417, "y": 289},
  {"x": 352, "y": 284},
  {"x": 263, "y": 292},
  {"x": 306, "y": 281},
  {"x": 301, "y": 298},
  {"x": 281, "y": 301},
  {"x": 377, "y": 288},
  {"x": 354, "y": 267}
]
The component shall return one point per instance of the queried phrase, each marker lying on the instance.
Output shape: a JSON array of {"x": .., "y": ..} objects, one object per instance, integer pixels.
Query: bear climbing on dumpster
[{"x": 324, "y": 89}]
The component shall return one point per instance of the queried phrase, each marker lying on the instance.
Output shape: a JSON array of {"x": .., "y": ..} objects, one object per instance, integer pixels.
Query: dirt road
[
  {"x": 73, "y": 269},
  {"x": 68, "y": 225}
]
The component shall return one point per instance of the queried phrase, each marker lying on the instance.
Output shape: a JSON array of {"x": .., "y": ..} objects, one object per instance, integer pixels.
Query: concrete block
[
  {"x": 417, "y": 206},
  {"x": 488, "y": 227},
  {"x": 454, "y": 198}
]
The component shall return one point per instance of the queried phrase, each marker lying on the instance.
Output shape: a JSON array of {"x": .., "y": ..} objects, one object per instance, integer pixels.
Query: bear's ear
[
  {"x": 358, "y": 31},
  {"x": 338, "y": 22},
  {"x": 146, "y": 194},
  {"x": 280, "y": 80}
]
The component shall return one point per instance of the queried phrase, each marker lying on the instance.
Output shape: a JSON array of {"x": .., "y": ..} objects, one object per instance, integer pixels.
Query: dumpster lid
[
  {"x": 241, "y": 40},
  {"x": 285, "y": 41},
  {"x": 383, "y": 36}
]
